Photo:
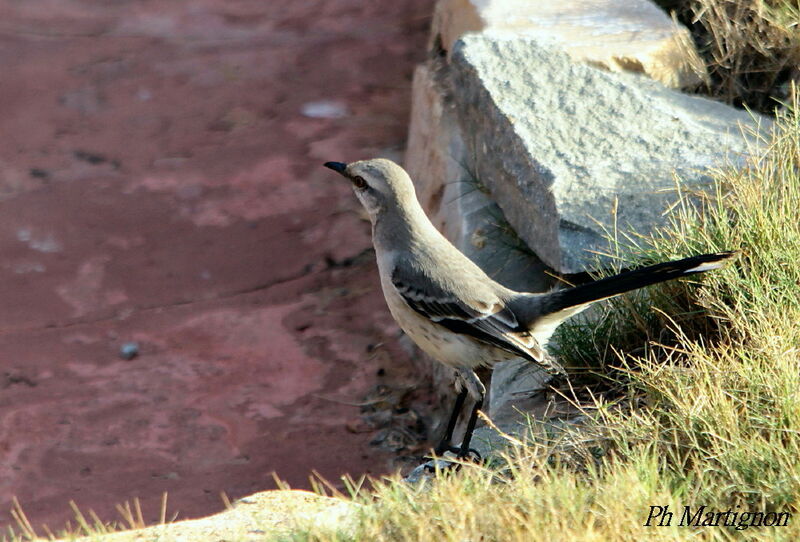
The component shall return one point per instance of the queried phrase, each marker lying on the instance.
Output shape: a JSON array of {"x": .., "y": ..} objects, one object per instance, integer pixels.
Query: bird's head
[{"x": 379, "y": 184}]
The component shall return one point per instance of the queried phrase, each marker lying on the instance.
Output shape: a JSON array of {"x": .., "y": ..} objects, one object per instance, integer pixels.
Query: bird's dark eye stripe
[{"x": 359, "y": 181}]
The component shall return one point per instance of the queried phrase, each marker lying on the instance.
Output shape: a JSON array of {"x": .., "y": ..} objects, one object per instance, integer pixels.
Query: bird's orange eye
[{"x": 359, "y": 182}]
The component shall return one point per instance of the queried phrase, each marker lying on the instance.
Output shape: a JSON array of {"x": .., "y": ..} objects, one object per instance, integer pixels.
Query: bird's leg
[
  {"x": 444, "y": 444},
  {"x": 465, "y": 450},
  {"x": 477, "y": 391},
  {"x": 467, "y": 384}
]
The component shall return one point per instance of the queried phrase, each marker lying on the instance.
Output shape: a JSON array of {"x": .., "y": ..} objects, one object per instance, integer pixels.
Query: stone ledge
[{"x": 260, "y": 516}]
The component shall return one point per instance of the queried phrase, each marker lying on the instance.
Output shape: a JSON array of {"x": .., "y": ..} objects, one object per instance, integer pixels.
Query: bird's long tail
[{"x": 631, "y": 280}]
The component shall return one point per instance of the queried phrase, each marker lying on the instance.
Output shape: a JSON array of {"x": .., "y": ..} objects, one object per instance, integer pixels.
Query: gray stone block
[
  {"x": 567, "y": 151},
  {"x": 617, "y": 35}
]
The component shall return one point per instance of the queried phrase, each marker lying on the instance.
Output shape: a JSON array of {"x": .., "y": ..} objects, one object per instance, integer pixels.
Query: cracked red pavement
[{"x": 159, "y": 183}]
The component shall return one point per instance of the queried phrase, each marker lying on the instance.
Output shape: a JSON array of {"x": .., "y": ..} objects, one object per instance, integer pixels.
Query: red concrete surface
[{"x": 160, "y": 183}]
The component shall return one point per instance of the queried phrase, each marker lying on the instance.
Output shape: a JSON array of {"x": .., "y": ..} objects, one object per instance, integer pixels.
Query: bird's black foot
[
  {"x": 441, "y": 465},
  {"x": 444, "y": 464},
  {"x": 468, "y": 454}
]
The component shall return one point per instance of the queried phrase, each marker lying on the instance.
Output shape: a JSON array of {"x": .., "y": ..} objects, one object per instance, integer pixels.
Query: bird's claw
[{"x": 470, "y": 454}]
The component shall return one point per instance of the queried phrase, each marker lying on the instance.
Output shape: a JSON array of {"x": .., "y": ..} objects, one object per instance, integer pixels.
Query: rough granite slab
[{"x": 560, "y": 145}]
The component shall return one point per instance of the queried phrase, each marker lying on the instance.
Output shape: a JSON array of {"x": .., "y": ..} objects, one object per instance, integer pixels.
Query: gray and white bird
[{"x": 455, "y": 312}]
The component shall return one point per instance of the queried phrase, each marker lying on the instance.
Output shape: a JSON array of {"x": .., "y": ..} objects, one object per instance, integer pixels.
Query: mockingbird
[{"x": 451, "y": 309}]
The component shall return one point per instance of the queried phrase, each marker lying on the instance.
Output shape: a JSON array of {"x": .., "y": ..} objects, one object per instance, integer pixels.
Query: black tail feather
[{"x": 631, "y": 280}]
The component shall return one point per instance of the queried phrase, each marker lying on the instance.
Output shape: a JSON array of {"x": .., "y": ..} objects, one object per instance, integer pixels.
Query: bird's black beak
[{"x": 338, "y": 167}]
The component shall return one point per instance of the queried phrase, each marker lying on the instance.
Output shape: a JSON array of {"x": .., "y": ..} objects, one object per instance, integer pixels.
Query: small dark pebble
[
  {"x": 39, "y": 173},
  {"x": 129, "y": 350},
  {"x": 12, "y": 379},
  {"x": 90, "y": 157}
]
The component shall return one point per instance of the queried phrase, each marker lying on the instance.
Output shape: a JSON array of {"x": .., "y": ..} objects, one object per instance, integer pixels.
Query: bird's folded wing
[{"x": 483, "y": 317}]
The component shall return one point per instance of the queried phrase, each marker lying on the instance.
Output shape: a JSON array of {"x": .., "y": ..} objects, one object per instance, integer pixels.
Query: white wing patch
[{"x": 705, "y": 267}]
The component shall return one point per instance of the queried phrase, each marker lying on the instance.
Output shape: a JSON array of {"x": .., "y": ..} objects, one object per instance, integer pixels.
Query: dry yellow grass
[{"x": 751, "y": 47}]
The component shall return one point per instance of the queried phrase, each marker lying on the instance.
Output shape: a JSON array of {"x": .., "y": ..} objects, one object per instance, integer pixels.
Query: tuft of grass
[
  {"x": 751, "y": 48},
  {"x": 92, "y": 528},
  {"x": 711, "y": 410}
]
